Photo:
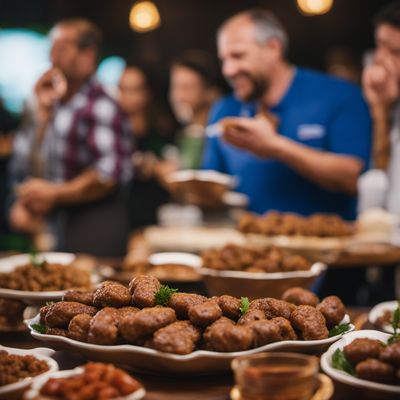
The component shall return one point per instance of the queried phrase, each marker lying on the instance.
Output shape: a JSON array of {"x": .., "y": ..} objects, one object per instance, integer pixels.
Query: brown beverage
[{"x": 276, "y": 376}]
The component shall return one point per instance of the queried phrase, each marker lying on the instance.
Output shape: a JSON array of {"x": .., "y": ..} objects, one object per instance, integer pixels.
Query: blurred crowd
[{"x": 85, "y": 165}]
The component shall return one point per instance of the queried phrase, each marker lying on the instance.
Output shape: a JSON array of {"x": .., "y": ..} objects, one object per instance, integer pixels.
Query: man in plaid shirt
[{"x": 76, "y": 150}]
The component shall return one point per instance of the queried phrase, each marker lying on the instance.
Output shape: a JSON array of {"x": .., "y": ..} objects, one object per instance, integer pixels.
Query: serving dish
[
  {"x": 14, "y": 390},
  {"x": 9, "y": 264},
  {"x": 377, "y": 312},
  {"x": 199, "y": 362},
  {"x": 37, "y": 385},
  {"x": 347, "y": 379}
]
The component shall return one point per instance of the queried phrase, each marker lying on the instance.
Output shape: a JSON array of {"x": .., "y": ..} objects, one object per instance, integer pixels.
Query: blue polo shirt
[{"x": 319, "y": 111}]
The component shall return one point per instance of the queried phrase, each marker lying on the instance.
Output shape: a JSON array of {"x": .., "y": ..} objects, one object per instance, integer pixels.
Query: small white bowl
[
  {"x": 41, "y": 353},
  {"x": 378, "y": 310},
  {"x": 35, "y": 389}
]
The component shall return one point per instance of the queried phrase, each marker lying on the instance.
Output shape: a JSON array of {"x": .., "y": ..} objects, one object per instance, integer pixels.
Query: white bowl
[
  {"x": 9, "y": 264},
  {"x": 347, "y": 379},
  {"x": 35, "y": 389},
  {"x": 202, "y": 176},
  {"x": 378, "y": 310},
  {"x": 188, "y": 259},
  {"x": 14, "y": 389},
  {"x": 199, "y": 362}
]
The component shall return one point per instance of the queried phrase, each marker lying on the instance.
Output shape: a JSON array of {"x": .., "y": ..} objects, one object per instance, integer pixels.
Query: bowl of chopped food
[
  {"x": 367, "y": 360},
  {"x": 95, "y": 381},
  {"x": 19, "y": 368},
  {"x": 256, "y": 271},
  {"x": 37, "y": 278}
]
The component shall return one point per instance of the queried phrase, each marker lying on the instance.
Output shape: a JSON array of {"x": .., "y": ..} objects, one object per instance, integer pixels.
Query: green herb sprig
[
  {"x": 163, "y": 295},
  {"x": 40, "y": 328},
  {"x": 34, "y": 258},
  {"x": 339, "y": 329},
  {"x": 395, "y": 322},
  {"x": 244, "y": 305},
  {"x": 339, "y": 361}
]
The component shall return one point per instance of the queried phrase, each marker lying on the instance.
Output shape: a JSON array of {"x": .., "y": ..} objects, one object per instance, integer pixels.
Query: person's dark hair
[
  {"x": 89, "y": 35},
  {"x": 200, "y": 62},
  {"x": 267, "y": 26},
  {"x": 389, "y": 15}
]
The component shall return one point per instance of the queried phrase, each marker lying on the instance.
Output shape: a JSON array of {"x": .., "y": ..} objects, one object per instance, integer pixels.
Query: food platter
[
  {"x": 347, "y": 379},
  {"x": 199, "y": 362},
  {"x": 37, "y": 385},
  {"x": 13, "y": 389},
  {"x": 11, "y": 263}
]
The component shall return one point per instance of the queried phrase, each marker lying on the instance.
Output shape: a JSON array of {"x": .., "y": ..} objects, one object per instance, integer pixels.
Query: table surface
[{"x": 215, "y": 387}]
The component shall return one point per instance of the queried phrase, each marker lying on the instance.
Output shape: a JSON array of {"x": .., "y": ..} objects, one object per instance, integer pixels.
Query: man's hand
[
  {"x": 380, "y": 82},
  {"x": 49, "y": 89},
  {"x": 38, "y": 195},
  {"x": 256, "y": 135}
]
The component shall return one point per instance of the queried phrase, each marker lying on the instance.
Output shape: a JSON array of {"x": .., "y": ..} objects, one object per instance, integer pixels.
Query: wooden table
[{"x": 215, "y": 387}]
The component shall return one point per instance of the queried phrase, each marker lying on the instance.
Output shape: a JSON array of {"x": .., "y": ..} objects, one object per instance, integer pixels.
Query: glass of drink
[{"x": 276, "y": 376}]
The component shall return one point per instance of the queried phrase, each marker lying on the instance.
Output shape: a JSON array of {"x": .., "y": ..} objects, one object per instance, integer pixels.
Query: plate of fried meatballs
[
  {"x": 381, "y": 315},
  {"x": 151, "y": 327},
  {"x": 365, "y": 359},
  {"x": 42, "y": 277},
  {"x": 253, "y": 271}
]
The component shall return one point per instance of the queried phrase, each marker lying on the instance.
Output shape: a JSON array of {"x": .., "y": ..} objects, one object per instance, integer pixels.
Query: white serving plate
[
  {"x": 343, "y": 377},
  {"x": 41, "y": 353},
  {"x": 37, "y": 385},
  {"x": 188, "y": 259},
  {"x": 378, "y": 310},
  {"x": 9, "y": 264},
  {"x": 199, "y": 362}
]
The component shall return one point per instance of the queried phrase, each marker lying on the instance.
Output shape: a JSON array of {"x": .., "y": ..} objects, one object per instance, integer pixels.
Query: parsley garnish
[
  {"x": 339, "y": 361},
  {"x": 395, "y": 322},
  {"x": 39, "y": 328},
  {"x": 339, "y": 329},
  {"x": 34, "y": 257},
  {"x": 164, "y": 294},
  {"x": 244, "y": 305}
]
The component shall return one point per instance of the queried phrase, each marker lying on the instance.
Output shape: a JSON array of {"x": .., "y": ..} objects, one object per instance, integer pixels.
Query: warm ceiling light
[
  {"x": 144, "y": 16},
  {"x": 314, "y": 7}
]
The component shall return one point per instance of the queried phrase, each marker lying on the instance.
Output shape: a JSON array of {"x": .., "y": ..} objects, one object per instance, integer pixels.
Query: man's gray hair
[{"x": 266, "y": 26}]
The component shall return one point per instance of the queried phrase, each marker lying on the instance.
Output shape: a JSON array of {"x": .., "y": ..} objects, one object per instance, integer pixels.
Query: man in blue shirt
[{"x": 310, "y": 159}]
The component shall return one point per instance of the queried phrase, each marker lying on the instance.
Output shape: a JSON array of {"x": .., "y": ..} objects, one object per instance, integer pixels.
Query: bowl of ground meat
[
  {"x": 19, "y": 368},
  {"x": 256, "y": 272},
  {"x": 368, "y": 360}
]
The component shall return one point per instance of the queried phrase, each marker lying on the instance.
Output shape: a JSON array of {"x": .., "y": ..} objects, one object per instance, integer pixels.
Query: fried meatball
[
  {"x": 299, "y": 296},
  {"x": 332, "y": 309},
  {"x": 205, "y": 313},
  {"x": 227, "y": 337},
  {"x": 79, "y": 297},
  {"x": 181, "y": 302},
  {"x": 78, "y": 327},
  {"x": 309, "y": 322},
  {"x": 250, "y": 316},
  {"x": 57, "y": 332},
  {"x": 376, "y": 371},
  {"x": 180, "y": 337},
  {"x": 43, "y": 312},
  {"x": 273, "y": 307},
  {"x": 285, "y": 327},
  {"x": 230, "y": 306},
  {"x": 143, "y": 289},
  {"x": 361, "y": 349},
  {"x": 60, "y": 314},
  {"x": 111, "y": 294},
  {"x": 145, "y": 322},
  {"x": 295, "y": 263},
  {"x": 391, "y": 354},
  {"x": 124, "y": 311},
  {"x": 103, "y": 327},
  {"x": 264, "y": 332}
]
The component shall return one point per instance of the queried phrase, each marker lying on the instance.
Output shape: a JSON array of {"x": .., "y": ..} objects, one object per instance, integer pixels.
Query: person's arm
[
  {"x": 332, "y": 171},
  {"x": 381, "y": 137}
]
